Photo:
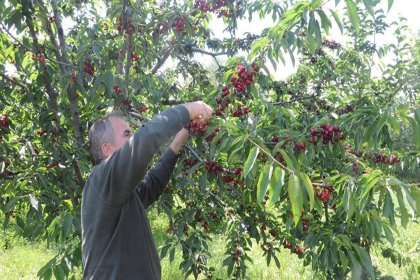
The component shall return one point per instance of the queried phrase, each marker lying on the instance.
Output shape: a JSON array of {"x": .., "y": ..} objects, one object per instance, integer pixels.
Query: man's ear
[{"x": 106, "y": 149}]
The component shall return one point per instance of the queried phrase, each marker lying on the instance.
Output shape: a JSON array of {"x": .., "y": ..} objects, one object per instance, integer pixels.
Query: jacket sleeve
[
  {"x": 118, "y": 176},
  {"x": 156, "y": 179}
]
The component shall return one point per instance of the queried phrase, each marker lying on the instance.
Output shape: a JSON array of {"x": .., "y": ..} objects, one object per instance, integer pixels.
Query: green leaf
[
  {"x": 337, "y": 20},
  {"x": 296, "y": 197},
  {"x": 365, "y": 260},
  {"x": 309, "y": 189},
  {"x": 369, "y": 7},
  {"x": 389, "y": 208},
  {"x": 68, "y": 222},
  {"x": 356, "y": 268},
  {"x": 59, "y": 273},
  {"x": 403, "y": 209},
  {"x": 390, "y": 3},
  {"x": 11, "y": 203},
  {"x": 343, "y": 260},
  {"x": 276, "y": 184},
  {"x": 367, "y": 185},
  {"x": 263, "y": 181},
  {"x": 381, "y": 124},
  {"x": 287, "y": 159},
  {"x": 354, "y": 17},
  {"x": 249, "y": 163},
  {"x": 325, "y": 21}
]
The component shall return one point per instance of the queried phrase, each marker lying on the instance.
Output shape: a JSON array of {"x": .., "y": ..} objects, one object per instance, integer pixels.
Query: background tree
[{"x": 306, "y": 164}]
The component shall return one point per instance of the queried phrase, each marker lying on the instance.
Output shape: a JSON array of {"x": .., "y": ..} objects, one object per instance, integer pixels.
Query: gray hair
[{"x": 99, "y": 133}]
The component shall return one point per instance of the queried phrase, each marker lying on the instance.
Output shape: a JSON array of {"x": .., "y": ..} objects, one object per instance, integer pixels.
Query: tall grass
[{"x": 21, "y": 259}]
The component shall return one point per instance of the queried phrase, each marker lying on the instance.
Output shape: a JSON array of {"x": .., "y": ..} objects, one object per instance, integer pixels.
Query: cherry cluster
[
  {"x": 382, "y": 158},
  {"x": 196, "y": 128},
  {"x": 117, "y": 90},
  {"x": 240, "y": 110},
  {"x": 203, "y": 6},
  {"x": 299, "y": 146},
  {"x": 236, "y": 254},
  {"x": 179, "y": 23},
  {"x": 135, "y": 57},
  {"x": 328, "y": 133},
  {"x": 223, "y": 101},
  {"x": 74, "y": 77},
  {"x": 243, "y": 78},
  {"x": 120, "y": 27},
  {"x": 163, "y": 28},
  {"x": 298, "y": 250},
  {"x": 305, "y": 225},
  {"x": 323, "y": 193},
  {"x": 40, "y": 58},
  {"x": 190, "y": 162},
  {"x": 143, "y": 107},
  {"x": 212, "y": 135},
  {"x": 89, "y": 68},
  {"x": 213, "y": 167},
  {"x": 234, "y": 179},
  {"x": 331, "y": 44},
  {"x": 4, "y": 121}
]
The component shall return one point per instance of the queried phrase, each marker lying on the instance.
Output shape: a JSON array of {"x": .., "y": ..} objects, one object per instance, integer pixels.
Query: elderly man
[{"x": 117, "y": 242}]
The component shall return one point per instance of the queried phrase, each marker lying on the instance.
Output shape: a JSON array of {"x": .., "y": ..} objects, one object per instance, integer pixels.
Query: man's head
[{"x": 107, "y": 135}]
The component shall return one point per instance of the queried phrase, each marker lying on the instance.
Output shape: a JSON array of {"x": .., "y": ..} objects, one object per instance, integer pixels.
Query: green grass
[{"x": 21, "y": 259}]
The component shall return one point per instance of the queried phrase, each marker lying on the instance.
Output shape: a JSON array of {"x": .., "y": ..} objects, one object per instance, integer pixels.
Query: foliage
[{"x": 309, "y": 163}]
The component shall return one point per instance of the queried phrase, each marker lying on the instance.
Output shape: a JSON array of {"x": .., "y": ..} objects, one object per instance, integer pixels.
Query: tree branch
[
  {"x": 293, "y": 100},
  {"x": 162, "y": 60},
  {"x": 71, "y": 90}
]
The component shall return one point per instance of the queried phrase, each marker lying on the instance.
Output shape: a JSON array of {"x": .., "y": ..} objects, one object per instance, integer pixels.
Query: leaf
[
  {"x": 390, "y": 3},
  {"x": 389, "y": 208},
  {"x": 263, "y": 182},
  {"x": 276, "y": 184},
  {"x": 337, "y": 20},
  {"x": 287, "y": 159},
  {"x": 249, "y": 163},
  {"x": 381, "y": 124},
  {"x": 403, "y": 209},
  {"x": 309, "y": 189},
  {"x": 11, "y": 203},
  {"x": 370, "y": 183},
  {"x": 68, "y": 222},
  {"x": 34, "y": 202},
  {"x": 369, "y": 7},
  {"x": 296, "y": 197},
  {"x": 59, "y": 273},
  {"x": 356, "y": 268},
  {"x": 365, "y": 260},
  {"x": 354, "y": 17}
]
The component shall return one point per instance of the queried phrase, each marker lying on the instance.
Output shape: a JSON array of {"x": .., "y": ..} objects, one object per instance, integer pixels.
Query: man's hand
[
  {"x": 178, "y": 140},
  {"x": 199, "y": 111}
]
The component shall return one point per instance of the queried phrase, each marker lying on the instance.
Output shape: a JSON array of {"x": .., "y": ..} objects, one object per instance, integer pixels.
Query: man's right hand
[{"x": 199, "y": 110}]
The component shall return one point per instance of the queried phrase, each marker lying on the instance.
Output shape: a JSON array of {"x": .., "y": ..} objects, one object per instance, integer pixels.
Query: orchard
[{"x": 323, "y": 163}]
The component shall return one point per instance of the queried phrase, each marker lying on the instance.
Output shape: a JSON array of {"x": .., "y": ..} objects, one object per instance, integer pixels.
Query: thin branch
[
  {"x": 14, "y": 81},
  {"x": 198, "y": 50},
  {"x": 293, "y": 100},
  {"x": 271, "y": 157}
]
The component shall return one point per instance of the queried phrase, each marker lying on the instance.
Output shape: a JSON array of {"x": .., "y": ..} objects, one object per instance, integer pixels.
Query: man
[{"x": 116, "y": 238}]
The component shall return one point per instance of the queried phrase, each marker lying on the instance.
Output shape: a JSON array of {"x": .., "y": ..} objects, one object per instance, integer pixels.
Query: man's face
[{"x": 122, "y": 132}]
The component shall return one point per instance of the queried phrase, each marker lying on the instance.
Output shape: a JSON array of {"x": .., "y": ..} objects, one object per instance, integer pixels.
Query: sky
[{"x": 406, "y": 8}]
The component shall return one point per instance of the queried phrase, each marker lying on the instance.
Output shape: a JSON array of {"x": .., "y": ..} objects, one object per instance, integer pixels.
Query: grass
[{"x": 21, "y": 259}]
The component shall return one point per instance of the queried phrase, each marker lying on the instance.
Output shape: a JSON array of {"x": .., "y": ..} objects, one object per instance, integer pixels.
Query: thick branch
[
  {"x": 50, "y": 90},
  {"x": 71, "y": 91},
  {"x": 162, "y": 60},
  {"x": 123, "y": 50}
]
